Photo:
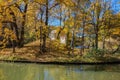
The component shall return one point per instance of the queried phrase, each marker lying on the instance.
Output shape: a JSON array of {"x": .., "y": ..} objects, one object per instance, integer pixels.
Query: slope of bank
[{"x": 30, "y": 52}]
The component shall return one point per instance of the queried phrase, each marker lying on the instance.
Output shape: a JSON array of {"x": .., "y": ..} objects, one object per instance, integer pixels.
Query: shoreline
[{"x": 61, "y": 63}]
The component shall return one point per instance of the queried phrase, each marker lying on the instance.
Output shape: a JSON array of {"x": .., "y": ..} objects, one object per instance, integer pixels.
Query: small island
[{"x": 59, "y": 31}]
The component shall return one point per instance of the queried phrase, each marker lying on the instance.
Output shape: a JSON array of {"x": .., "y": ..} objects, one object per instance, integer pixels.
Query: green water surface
[{"x": 20, "y": 71}]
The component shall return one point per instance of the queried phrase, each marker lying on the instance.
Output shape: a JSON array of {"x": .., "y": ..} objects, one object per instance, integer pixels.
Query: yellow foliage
[
  {"x": 116, "y": 31},
  {"x": 70, "y": 22},
  {"x": 40, "y": 1},
  {"x": 8, "y": 34},
  {"x": 5, "y": 2},
  {"x": 65, "y": 30},
  {"x": 68, "y": 3},
  {"x": 56, "y": 45}
]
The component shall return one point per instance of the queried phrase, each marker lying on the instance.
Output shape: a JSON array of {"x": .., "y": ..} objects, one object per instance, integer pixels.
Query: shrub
[{"x": 96, "y": 52}]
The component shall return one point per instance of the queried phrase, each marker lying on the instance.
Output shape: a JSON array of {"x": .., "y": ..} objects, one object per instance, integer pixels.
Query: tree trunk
[
  {"x": 96, "y": 41},
  {"x": 41, "y": 36},
  {"x": 72, "y": 42},
  {"x": 13, "y": 46},
  {"x": 103, "y": 45},
  {"x": 96, "y": 37},
  {"x": 14, "y": 27},
  {"x": 21, "y": 41},
  {"x": 46, "y": 23},
  {"x": 58, "y": 35},
  {"x": 83, "y": 38}
]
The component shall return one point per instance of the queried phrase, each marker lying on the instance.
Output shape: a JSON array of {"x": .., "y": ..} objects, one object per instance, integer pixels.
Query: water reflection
[{"x": 14, "y": 71}]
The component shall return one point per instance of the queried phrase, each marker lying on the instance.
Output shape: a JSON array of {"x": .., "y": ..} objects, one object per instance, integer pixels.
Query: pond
[{"x": 24, "y": 71}]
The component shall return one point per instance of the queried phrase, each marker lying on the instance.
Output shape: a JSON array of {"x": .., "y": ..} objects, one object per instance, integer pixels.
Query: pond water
[{"x": 20, "y": 71}]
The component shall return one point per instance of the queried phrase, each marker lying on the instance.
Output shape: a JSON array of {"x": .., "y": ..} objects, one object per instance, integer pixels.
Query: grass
[{"x": 31, "y": 52}]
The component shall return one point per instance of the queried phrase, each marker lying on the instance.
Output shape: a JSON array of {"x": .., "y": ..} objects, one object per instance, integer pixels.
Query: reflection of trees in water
[
  {"x": 21, "y": 72},
  {"x": 59, "y": 72},
  {"x": 82, "y": 72},
  {"x": 2, "y": 76},
  {"x": 104, "y": 67},
  {"x": 13, "y": 71},
  {"x": 113, "y": 68},
  {"x": 30, "y": 73},
  {"x": 34, "y": 72}
]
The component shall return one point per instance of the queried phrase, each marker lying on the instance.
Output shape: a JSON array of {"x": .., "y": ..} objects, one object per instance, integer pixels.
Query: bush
[
  {"x": 96, "y": 52},
  {"x": 56, "y": 45}
]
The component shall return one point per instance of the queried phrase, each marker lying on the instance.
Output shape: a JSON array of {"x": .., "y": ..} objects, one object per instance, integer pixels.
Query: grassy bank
[{"x": 30, "y": 52}]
